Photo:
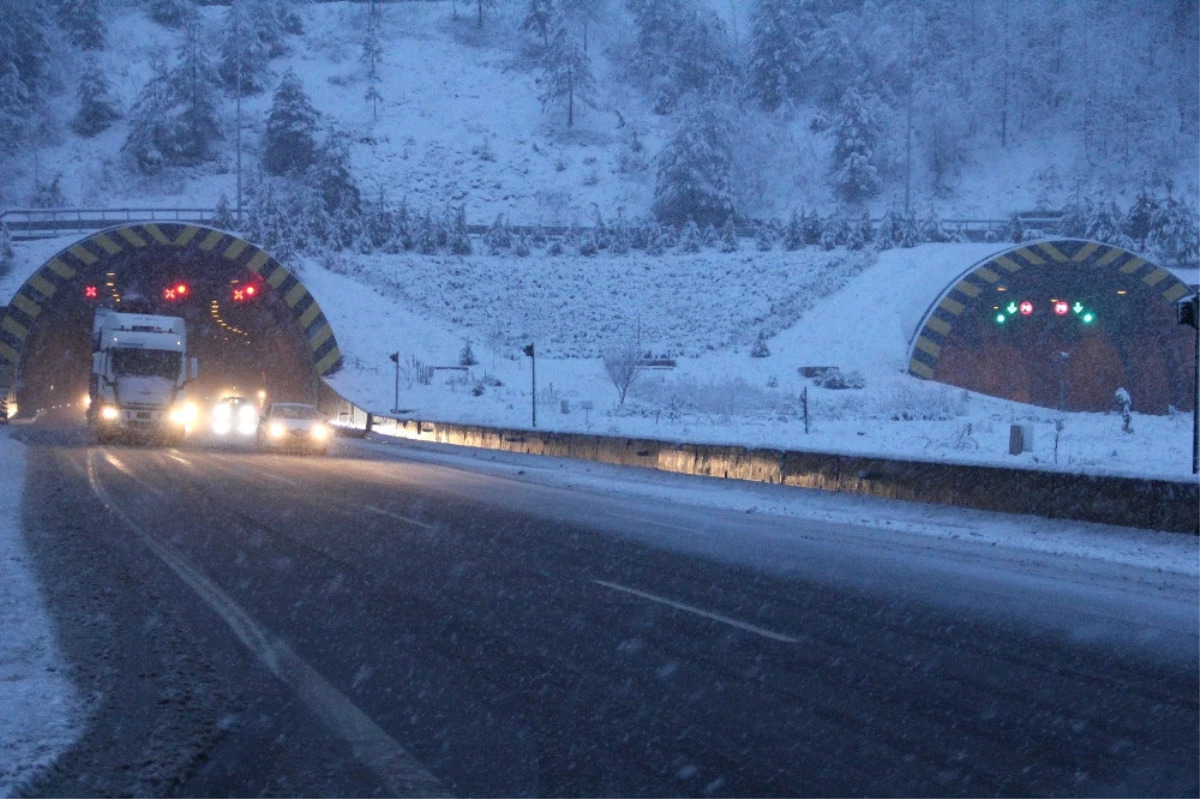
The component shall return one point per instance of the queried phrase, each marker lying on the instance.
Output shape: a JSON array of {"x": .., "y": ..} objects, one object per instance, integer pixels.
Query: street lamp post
[
  {"x": 395, "y": 358},
  {"x": 533, "y": 371}
]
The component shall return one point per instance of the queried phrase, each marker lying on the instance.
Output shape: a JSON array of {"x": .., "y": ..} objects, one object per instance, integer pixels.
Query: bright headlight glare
[
  {"x": 319, "y": 432},
  {"x": 276, "y": 430},
  {"x": 221, "y": 411},
  {"x": 110, "y": 413}
]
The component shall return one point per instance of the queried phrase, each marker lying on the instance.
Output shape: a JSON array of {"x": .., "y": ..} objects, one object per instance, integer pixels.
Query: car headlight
[
  {"x": 320, "y": 432},
  {"x": 109, "y": 413},
  {"x": 276, "y": 430},
  {"x": 221, "y": 411},
  {"x": 247, "y": 413}
]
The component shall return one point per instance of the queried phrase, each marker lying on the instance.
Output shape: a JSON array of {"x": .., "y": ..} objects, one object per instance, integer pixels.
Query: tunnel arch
[
  {"x": 66, "y": 273},
  {"x": 1134, "y": 342}
]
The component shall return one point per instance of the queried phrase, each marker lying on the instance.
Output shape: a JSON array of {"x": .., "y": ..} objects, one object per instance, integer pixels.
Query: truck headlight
[
  {"x": 276, "y": 430},
  {"x": 109, "y": 413},
  {"x": 320, "y": 432},
  {"x": 184, "y": 414}
]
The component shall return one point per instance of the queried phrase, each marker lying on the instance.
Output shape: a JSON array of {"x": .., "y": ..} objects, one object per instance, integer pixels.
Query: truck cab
[{"x": 140, "y": 371}]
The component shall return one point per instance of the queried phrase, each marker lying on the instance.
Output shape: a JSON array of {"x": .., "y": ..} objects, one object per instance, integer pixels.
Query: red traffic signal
[
  {"x": 176, "y": 291},
  {"x": 91, "y": 292},
  {"x": 244, "y": 293}
]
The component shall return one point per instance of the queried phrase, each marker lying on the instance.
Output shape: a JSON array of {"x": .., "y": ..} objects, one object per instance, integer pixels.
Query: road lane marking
[
  {"x": 741, "y": 625},
  {"x": 400, "y": 772},
  {"x": 120, "y": 466},
  {"x": 642, "y": 520},
  {"x": 396, "y": 516}
]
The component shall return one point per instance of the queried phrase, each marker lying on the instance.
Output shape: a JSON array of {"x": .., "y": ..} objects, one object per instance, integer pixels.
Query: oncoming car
[
  {"x": 293, "y": 425},
  {"x": 234, "y": 415}
]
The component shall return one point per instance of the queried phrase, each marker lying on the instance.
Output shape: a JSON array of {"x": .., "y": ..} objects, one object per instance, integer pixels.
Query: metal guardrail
[{"x": 36, "y": 223}]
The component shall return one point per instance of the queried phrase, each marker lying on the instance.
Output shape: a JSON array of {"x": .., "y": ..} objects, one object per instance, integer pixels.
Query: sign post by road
[
  {"x": 533, "y": 361},
  {"x": 395, "y": 358},
  {"x": 1187, "y": 313}
]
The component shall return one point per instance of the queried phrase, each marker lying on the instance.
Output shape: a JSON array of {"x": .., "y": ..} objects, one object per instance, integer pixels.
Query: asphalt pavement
[{"x": 377, "y": 622}]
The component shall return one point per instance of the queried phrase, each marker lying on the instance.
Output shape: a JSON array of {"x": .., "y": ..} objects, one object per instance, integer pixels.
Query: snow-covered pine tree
[
  {"x": 291, "y": 129},
  {"x": 330, "y": 176},
  {"x": 619, "y": 236},
  {"x": 1174, "y": 234},
  {"x": 26, "y": 67},
  {"x": 729, "y": 237},
  {"x": 149, "y": 121},
  {"x": 855, "y": 240},
  {"x": 1140, "y": 219},
  {"x": 931, "y": 229},
  {"x": 373, "y": 97},
  {"x": 760, "y": 348},
  {"x": 82, "y": 22},
  {"x": 835, "y": 229},
  {"x": 855, "y": 175},
  {"x": 567, "y": 73},
  {"x": 378, "y": 222},
  {"x": 810, "y": 223},
  {"x": 778, "y": 37},
  {"x": 655, "y": 245},
  {"x": 272, "y": 21},
  {"x": 427, "y": 238},
  {"x": 522, "y": 247},
  {"x": 172, "y": 13},
  {"x": 48, "y": 194},
  {"x": 538, "y": 17},
  {"x": 223, "y": 216},
  {"x": 866, "y": 230},
  {"x": 1104, "y": 224},
  {"x": 1015, "y": 229},
  {"x": 460, "y": 240},
  {"x": 498, "y": 237},
  {"x": 764, "y": 238},
  {"x": 689, "y": 240},
  {"x": 7, "y": 254},
  {"x": 1075, "y": 213},
  {"x": 240, "y": 39},
  {"x": 679, "y": 47},
  {"x": 793, "y": 234},
  {"x": 97, "y": 107},
  {"x": 694, "y": 171},
  {"x": 195, "y": 86},
  {"x": 372, "y": 48}
]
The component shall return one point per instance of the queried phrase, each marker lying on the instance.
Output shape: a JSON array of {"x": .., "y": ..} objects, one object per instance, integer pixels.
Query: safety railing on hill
[{"x": 37, "y": 223}]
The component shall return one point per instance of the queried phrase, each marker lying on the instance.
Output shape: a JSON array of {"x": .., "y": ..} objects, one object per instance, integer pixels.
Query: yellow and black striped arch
[
  {"x": 66, "y": 269},
  {"x": 967, "y": 292}
]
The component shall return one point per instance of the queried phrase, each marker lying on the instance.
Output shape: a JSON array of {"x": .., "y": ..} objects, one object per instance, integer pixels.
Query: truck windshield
[{"x": 146, "y": 363}]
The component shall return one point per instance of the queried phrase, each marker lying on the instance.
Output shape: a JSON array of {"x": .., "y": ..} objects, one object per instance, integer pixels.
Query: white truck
[{"x": 140, "y": 370}]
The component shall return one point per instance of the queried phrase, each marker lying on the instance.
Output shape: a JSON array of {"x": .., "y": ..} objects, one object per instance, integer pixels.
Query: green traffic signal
[
  {"x": 1000, "y": 318},
  {"x": 1088, "y": 318}
]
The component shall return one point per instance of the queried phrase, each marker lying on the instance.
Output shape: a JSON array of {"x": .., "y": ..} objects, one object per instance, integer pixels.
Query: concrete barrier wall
[{"x": 1130, "y": 502}]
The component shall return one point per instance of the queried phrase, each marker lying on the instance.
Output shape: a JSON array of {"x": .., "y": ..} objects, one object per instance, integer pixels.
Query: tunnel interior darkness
[
  {"x": 1063, "y": 324},
  {"x": 240, "y": 328}
]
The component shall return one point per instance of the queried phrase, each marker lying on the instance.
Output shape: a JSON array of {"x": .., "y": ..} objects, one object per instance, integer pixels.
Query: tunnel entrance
[
  {"x": 255, "y": 329},
  {"x": 1062, "y": 323}
]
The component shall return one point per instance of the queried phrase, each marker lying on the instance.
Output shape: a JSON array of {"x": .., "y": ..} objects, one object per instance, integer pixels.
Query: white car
[
  {"x": 234, "y": 415},
  {"x": 293, "y": 426}
]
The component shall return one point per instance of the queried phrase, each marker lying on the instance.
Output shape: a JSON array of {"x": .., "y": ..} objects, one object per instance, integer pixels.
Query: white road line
[
  {"x": 277, "y": 477},
  {"x": 174, "y": 457},
  {"x": 396, "y": 516},
  {"x": 120, "y": 466},
  {"x": 741, "y": 625},
  {"x": 400, "y": 772},
  {"x": 643, "y": 520}
]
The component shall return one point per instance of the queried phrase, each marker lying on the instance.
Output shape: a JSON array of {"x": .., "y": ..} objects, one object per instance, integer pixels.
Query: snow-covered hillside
[{"x": 460, "y": 121}]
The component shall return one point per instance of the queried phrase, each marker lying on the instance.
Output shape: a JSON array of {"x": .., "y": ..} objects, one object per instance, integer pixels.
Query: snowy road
[{"x": 393, "y": 620}]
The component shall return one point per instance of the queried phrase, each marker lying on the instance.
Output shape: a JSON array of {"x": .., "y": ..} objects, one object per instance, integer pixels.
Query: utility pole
[
  {"x": 533, "y": 370},
  {"x": 1187, "y": 312},
  {"x": 395, "y": 358},
  {"x": 237, "y": 28}
]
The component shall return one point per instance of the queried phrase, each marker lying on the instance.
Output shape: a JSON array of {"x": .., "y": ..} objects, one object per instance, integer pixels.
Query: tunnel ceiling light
[{"x": 1122, "y": 292}]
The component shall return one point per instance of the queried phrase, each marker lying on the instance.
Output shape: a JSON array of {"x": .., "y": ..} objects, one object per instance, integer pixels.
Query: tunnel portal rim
[
  {"x": 65, "y": 269},
  {"x": 969, "y": 288}
]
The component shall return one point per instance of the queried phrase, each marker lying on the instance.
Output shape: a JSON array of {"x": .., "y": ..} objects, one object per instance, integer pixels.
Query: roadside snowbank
[{"x": 38, "y": 707}]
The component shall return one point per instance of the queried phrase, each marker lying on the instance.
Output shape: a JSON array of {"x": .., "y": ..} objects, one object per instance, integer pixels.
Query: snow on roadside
[{"x": 38, "y": 705}]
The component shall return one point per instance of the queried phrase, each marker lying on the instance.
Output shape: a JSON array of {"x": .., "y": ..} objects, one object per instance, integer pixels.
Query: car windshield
[
  {"x": 146, "y": 363},
  {"x": 295, "y": 412}
]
